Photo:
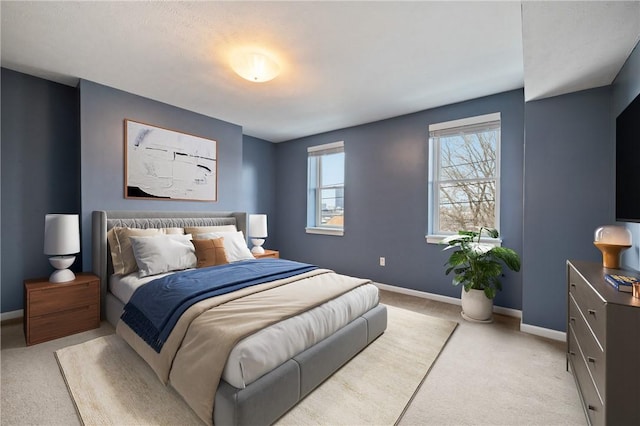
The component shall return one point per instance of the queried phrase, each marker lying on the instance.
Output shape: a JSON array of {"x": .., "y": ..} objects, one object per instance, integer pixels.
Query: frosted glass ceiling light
[
  {"x": 611, "y": 241},
  {"x": 255, "y": 66}
]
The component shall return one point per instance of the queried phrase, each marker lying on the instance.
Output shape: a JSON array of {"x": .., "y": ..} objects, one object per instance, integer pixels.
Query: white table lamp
[
  {"x": 257, "y": 231},
  {"x": 62, "y": 240}
]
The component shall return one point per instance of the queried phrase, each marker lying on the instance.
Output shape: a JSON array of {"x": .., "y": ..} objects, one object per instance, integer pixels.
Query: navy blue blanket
[{"x": 154, "y": 308}]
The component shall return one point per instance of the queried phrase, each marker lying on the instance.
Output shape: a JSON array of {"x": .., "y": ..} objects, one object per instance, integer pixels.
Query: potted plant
[{"x": 478, "y": 267}]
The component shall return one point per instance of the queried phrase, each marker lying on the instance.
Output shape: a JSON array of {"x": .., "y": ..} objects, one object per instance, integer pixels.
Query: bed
[{"x": 242, "y": 392}]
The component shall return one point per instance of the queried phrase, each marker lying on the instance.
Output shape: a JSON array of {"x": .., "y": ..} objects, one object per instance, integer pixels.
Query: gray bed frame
[{"x": 268, "y": 398}]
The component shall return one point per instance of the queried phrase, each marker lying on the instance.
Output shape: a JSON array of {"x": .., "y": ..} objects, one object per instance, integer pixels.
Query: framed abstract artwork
[{"x": 163, "y": 164}]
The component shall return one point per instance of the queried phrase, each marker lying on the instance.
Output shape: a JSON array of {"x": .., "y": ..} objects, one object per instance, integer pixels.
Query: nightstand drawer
[
  {"x": 63, "y": 298},
  {"x": 54, "y": 310},
  {"x": 59, "y": 324},
  {"x": 590, "y": 304}
]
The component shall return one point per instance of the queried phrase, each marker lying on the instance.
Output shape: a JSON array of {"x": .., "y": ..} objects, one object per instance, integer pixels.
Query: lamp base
[
  {"x": 257, "y": 245},
  {"x": 62, "y": 276},
  {"x": 62, "y": 273},
  {"x": 611, "y": 254}
]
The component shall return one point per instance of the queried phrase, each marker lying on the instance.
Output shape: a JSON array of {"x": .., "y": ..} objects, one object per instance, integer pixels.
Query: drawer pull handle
[
  {"x": 572, "y": 319},
  {"x": 572, "y": 353},
  {"x": 591, "y": 359},
  {"x": 591, "y": 311},
  {"x": 572, "y": 285},
  {"x": 591, "y": 407}
]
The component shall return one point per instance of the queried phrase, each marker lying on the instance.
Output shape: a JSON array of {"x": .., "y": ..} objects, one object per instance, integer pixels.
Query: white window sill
[
  {"x": 437, "y": 239},
  {"x": 325, "y": 231}
]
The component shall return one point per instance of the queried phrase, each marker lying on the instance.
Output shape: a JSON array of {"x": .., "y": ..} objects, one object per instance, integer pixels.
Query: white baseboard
[
  {"x": 445, "y": 299},
  {"x": 416, "y": 293},
  {"x": 11, "y": 315},
  {"x": 525, "y": 328},
  {"x": 543, "y": 332}
]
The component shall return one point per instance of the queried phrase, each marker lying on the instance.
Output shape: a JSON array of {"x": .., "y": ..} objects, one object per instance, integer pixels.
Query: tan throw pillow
[
  {"x": 210, "y": 252},
  {"x": 122, "y": 257}
]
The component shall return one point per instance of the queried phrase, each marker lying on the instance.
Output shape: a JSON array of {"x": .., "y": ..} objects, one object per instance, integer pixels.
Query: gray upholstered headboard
[{"x": 102, "y": 221}]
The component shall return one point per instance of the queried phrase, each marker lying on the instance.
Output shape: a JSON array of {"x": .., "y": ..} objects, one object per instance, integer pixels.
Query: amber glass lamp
[{"x": 612, "y": 240}]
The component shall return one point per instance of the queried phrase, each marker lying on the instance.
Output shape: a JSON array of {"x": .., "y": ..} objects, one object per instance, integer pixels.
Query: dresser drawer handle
[
  {"x": 591, "y": 407},
  {"x": 591, "y": 311},
  {"x": 572, "y": 353},
  {"x": 572, "y": 284},
  {"x": 572, "y": 319},
  {"x": 591, "y": 359}
]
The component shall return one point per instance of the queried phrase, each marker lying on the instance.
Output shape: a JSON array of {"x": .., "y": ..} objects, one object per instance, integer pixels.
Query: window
[
  {"x": 325, "y": 196},
  {"x": 464, "y": 175}
]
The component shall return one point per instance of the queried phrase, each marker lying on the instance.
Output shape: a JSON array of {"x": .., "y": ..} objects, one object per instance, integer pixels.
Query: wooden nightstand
[
  {"x": 268, "y": 253},
  {"x": 53, "y": 310}
]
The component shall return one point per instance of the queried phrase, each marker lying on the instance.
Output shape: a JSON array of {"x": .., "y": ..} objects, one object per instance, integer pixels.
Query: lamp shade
[
  {"x": 61, "y": 234},
  {"x": 258, "y": 225},
  {"x": 613, "y": 234}
]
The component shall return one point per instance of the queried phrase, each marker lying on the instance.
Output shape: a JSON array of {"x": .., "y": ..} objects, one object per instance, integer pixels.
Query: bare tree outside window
[{"x": 465, "y": 177}]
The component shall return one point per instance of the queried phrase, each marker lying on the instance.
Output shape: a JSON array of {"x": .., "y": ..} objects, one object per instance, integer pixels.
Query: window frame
[
  {"x": 434, "y": 234},
  {"x": 319, "y": 151}
]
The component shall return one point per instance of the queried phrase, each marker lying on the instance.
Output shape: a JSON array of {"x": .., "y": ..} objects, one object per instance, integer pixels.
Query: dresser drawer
[
  {"x": 592, "y": 353},
  {"x": 59, "y": 324},
  {"x": 42, "y": 302},
  {"x": 590, "y": 304},
  {"x": 592, "y": 404}
]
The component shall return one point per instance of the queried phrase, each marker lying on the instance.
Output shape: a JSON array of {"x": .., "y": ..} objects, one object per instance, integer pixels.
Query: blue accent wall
[
  {"x": 40, "y": 174},
  {"x": 386, "y": 199},
  {"x": 259, "y": 182},
  {"x": 626, "y": 87},
  {"x": 568, "y": 189},
  {"x": 102, "y": 113}
]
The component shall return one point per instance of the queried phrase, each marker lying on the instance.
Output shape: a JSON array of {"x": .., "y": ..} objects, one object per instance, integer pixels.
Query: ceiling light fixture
[{"x": 254, "y": 66}]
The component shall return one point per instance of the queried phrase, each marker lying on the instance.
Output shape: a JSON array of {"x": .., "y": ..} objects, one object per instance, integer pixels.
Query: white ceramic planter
[{"x": 476, "y": 306}]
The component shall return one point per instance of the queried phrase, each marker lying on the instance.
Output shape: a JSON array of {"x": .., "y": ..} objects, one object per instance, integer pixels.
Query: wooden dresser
[
  {"x": 53, "y": 310},
  {"x": 603, "y": 345}
]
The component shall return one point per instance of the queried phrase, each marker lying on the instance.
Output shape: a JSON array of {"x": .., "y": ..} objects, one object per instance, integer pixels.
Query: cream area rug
[{"x": 111, "y": 385}]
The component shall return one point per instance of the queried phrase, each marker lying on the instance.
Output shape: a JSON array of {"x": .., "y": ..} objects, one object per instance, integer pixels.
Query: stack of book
[{"x": 621, "y": 282}]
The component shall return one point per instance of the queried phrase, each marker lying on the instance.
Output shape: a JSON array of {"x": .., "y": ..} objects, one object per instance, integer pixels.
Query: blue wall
[
  {"x": 44, "y": 162},
  {"x": 102, "y": 113},
  {"x": 626, "y": 87},
  {"x": 386, "y": 199},
  {"x": 568, "y": 194},
  {"x": 40, "y": 174},
  {"x": 259, "y": 182},
  {"x": 568, "y": 183}
]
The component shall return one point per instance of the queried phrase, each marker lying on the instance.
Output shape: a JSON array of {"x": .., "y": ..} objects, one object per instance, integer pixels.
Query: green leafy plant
[{"x": 478, "y": 265}]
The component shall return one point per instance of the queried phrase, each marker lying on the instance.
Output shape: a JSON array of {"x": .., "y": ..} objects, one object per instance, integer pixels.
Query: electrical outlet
[{"x": 382, "y": 261}]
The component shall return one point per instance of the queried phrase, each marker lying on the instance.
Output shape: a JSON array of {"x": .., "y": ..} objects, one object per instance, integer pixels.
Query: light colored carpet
[
  {"x": 487, "y": 374},
  {"x": 375, "y": 387},
  {"x": 110, "y": 384}
]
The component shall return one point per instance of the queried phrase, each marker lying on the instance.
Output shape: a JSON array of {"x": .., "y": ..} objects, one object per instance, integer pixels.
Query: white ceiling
[{"x": 343, "y": 63}]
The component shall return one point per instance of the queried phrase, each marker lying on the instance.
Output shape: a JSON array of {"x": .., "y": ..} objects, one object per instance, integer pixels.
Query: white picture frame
[{"x": 164, "y": 164}]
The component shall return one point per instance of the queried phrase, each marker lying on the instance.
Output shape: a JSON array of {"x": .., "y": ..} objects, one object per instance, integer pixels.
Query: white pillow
[
  {"x": 195, "y": 230},
  {"x": 163, "y": 253},
  {"x": 234, "y": 244}
]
